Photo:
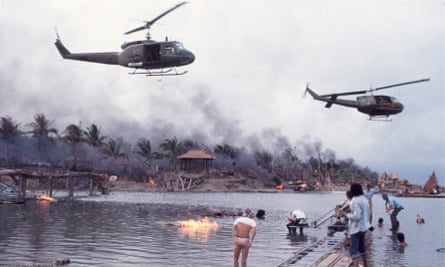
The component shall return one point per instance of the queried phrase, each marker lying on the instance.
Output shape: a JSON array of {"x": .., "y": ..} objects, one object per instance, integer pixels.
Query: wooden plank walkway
[
  {"x": 338, "y": 256},
  {"x": 329, "y": 251}
]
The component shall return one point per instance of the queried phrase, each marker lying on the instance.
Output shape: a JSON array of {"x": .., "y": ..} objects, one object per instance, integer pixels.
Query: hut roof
[
  {"x": 432, "y": 182},
  {"x": 196, "y": 154}
]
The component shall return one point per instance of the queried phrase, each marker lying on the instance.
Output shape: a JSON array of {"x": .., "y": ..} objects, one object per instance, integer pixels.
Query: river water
[{"x": 140, "y": 229}]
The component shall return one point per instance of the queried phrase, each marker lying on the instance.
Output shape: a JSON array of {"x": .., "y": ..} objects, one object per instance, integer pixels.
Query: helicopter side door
[
  {"x": 151, "y": 52},
  {"x": 367, "y": 100}
]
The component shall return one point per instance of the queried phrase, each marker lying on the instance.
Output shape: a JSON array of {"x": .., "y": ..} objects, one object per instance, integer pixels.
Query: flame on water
[
  {"x": 197, "y": 230},
  {"x": 45, "y": 197},
  {"x": 280, "y": 186}
]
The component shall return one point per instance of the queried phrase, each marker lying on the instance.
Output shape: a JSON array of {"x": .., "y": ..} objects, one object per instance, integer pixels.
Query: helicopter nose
[{"x": 190, "y": 57}]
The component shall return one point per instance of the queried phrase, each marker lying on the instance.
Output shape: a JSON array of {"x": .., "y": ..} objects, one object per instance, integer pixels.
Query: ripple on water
[{"x": 130, "y": 230}]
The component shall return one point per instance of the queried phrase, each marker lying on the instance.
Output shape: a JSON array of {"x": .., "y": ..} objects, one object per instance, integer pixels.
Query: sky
[{"x": 253, "y": 61}]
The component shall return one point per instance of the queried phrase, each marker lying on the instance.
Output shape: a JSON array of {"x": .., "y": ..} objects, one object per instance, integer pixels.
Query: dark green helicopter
[
  {"x": 152, "y": 57},
  {"x": 376, "y": 106}
]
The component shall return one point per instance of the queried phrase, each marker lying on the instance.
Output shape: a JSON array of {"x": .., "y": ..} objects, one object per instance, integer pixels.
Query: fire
[
  {"x": 197, "y": 230},
  {"x": 45, "y": 197},
  {"x": 151, "y": 181},
  {"x": 279, "y": 186}
]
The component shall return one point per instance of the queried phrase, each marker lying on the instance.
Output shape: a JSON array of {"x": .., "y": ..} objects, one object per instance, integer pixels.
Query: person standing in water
[
  {"x": 358, "y": 225},
  {"x": 392, "y": 205},
  {"x": 243, "y": 234},
  {"x": 369, "y": 192}
]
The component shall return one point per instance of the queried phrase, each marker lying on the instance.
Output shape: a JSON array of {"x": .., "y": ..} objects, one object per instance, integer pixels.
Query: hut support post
[
  {"x": 50, "y": 184},
  {"x": 91, "y": 186},
  {"x": 22, "y": 188},
  {"x": 106, "y": 182},
  {"x": 71, "y": 186}
]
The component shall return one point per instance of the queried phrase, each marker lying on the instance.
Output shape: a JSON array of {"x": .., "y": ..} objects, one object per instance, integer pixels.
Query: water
[{"x": 130, "y": 229}]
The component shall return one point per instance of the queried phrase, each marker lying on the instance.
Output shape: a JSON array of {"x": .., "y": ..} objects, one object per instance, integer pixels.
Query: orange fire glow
[
  {"x": 280, "y": 186},
  {"x": 45, "y": 198},
  {"x": 151, "y": 181},
  {"x": 197, "y": 230}
]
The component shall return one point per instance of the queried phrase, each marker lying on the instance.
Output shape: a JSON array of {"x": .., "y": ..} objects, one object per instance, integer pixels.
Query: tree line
[{"x": 88, "y": 148}]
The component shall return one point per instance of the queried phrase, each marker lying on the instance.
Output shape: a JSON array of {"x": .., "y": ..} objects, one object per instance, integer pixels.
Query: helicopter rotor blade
[
  {"x": 398, "y": 84},
  {"x": 136, "y": 29},
  {"x": 375, "y": 89},
  {"x": 347, "y": 93},
  {"x": 151, "y": 22}
]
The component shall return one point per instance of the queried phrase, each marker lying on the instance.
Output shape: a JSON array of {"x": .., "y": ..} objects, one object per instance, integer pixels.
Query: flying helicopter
[
  {"x": 154, "y": 58},
  {"x": 376, "y": 106}
]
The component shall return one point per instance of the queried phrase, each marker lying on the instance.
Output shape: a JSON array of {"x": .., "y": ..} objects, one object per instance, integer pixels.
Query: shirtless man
[{"x": 242, "y": 227}]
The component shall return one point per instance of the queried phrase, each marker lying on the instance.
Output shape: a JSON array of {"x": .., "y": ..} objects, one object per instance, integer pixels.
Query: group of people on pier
[{"x": 358, "y": 216}]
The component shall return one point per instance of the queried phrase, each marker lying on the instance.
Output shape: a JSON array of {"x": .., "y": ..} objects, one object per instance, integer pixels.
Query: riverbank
[{"x": 229, "y": 184}]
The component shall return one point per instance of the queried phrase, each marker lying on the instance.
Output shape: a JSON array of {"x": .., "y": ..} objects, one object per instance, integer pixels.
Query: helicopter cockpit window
[
  {"x": 394, "y": 100},
  {"x": 168, "y": 50},
  {"x": 366, "y": 100},
  {"x": 179, "y": 46},
  {"x": 383, "y": 99}
]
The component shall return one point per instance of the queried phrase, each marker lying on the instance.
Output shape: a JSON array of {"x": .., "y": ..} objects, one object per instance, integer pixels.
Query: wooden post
[
  {"x": 50, "y": 182},
  {"x": 22, "y": 188},
  {"x": 106, "y": 184},
  {"x": 90, "y": 179},
  {"x": 71, "y": 186}
]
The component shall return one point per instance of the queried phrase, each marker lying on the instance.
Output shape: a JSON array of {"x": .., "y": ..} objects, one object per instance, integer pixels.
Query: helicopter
[
  {"x": 152, "y": 57},
  {"x": 376, "y": 106}
]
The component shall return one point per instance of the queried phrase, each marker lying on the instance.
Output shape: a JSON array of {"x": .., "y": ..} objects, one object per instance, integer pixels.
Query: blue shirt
[{"x": 392, "y": 202}]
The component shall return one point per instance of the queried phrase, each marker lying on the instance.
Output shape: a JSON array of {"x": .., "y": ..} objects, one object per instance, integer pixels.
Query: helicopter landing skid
[
  {"x": 380, "y": 118},
  {"x": 167, "y": 72}
]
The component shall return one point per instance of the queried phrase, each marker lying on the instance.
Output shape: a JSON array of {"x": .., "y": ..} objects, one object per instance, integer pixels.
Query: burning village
[{"x": 86, "y": 158}]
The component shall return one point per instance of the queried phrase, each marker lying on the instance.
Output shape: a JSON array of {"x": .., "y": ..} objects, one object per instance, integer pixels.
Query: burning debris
[
  {"x": 151, "y": 181},
  {"x": 45, "y": 198},
  {"x": 196, "y": 229}
]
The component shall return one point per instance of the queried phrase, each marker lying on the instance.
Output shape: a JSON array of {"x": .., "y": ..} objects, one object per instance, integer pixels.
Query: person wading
[{"x": 243, "y": 234}]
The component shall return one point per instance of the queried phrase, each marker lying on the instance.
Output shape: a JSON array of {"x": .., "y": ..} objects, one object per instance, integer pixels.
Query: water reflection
[
  {"x": 197, "y": 230},
  {"x": 130, "y": 230},
  {"x": 295, "y": 238}
]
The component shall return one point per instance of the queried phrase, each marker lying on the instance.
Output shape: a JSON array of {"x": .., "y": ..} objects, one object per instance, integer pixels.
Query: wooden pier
[
  {"x": 21, "y": 177},
  {"x": 328, "y": 251}
]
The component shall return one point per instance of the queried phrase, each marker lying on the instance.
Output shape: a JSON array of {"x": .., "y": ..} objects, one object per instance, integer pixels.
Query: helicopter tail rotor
[
  {"x": 63, "y": 51},
  {"x": 305, "y": 91}
]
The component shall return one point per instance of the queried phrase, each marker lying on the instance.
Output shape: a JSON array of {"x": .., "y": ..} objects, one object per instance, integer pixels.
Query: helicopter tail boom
[
  {"x": 64, "y": 52},
  {"x": 103, "y": 57},
  {"x": 328, "y": 99},
  {"x": 331, "y": 99}
]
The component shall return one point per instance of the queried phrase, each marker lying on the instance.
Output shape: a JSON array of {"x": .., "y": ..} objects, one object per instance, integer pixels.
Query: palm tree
[
  {"x": 74, "y": 135},
  {"x": 113, "y": 149},
  {"x": 9, "y": 132},
  {"x": 172, "y": 149},
  {"x": 94, "y": 137},
  {"x": 144, "y": 150},
  {"x": 41, "y": 129}
]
